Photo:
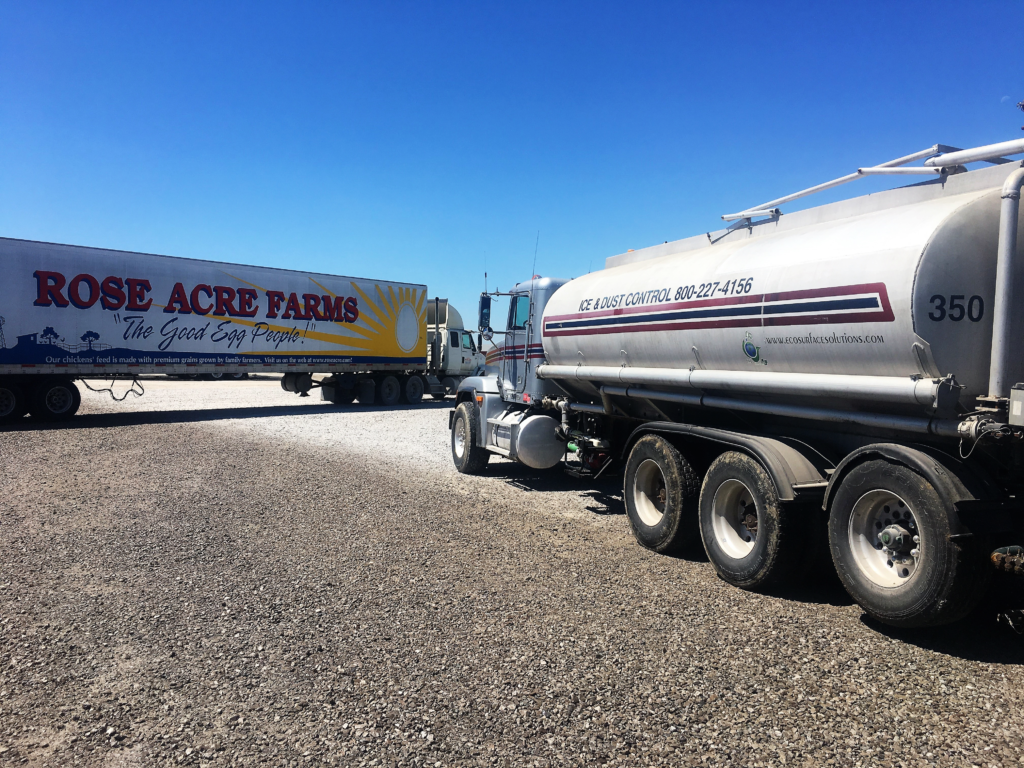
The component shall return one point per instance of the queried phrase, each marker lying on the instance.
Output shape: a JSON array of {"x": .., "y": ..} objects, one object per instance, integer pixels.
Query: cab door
[
  {"x": 516, "y": 342},
  {"x": 469, "y": 355}
]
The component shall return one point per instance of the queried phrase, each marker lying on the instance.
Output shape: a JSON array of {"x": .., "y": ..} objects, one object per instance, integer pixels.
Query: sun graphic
[
  {"x": 396, "y": 328},
  {"x": 390, "y": 325}
]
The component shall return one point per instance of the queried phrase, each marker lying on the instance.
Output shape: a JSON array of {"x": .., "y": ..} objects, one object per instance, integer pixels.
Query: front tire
[
  {"x": 661, "y": 491},
  {"x": 889, "y": 532},
  {"x": 469, "y": 456},
  {"x": 55, "y": 400},
  {"x": 749, "y": 539}
]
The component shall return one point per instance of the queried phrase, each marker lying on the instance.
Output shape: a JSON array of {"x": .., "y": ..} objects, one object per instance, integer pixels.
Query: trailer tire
[
  {"x": 390, "y": 391},
  {"x": 12, "y": 403},
  {"x": 469, "y": 456},
  {"x": 55, "y": 400},
  {"x": 412, "y": 392},
  {"x": 450, "y": 385},
  {"x": 661, "y": 491},
  {"x": 939, "y": 585},
  {"x": 751, "y": 550},
  {"x": 344, "y": 396}
]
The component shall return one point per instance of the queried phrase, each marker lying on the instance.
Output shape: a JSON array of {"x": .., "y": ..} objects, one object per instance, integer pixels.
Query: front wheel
[
  {"x": 469, "y": 456},
  {"x": 55, "y": 400},
  {"x": 889, "y": 530},
  {"x": 661, "y": 491}
]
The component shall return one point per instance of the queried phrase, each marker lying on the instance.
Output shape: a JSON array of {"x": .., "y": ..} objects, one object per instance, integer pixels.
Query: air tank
[{"x": 895, "y": 284}]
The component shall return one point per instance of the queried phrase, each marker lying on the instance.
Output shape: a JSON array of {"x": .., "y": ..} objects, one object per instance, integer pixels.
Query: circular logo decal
[{"x": 407, "y": 328}]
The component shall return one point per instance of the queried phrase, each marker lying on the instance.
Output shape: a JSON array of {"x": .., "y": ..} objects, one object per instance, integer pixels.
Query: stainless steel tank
[{"x": 897, "y": 284}]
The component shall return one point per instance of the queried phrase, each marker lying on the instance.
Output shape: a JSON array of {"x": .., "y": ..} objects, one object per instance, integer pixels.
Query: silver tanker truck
[{"x": 848, "y": 368}]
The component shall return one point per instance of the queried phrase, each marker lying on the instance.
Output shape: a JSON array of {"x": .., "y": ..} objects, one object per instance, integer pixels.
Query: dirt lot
[{"x": 222, "y": 574}]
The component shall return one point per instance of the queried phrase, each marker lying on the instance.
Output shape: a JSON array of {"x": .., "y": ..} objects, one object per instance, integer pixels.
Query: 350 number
[{"x": 955, "y": 309}]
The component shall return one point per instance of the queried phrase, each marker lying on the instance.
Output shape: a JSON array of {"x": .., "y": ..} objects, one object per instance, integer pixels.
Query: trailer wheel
[
  {"x": 55, "y": 400},
  {"x": 450, "y": 385},
  {"x": 747, "y": 534},
  {"x": 412, "y": 392},
  {"x": 469, "y": 456},
  {"x": 661, "y": 491},
  {"x": 12, "y": 403},
  {"x": 390, "y": 391},
  {"x": 889, "y": 531},
  {"x": 344, "y": 396}
]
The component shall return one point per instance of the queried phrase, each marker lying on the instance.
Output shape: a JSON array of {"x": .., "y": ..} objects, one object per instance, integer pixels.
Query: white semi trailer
[
  {"x": 849, "y": 367},
  {"x": 72, "y": 313}
]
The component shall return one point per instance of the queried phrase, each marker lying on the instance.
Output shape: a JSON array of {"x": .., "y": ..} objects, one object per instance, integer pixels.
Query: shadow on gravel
[
  {"x": 606, "y": 493},
  {"x": 136, "y": 418},
  {"x": 980, "y": 637}
]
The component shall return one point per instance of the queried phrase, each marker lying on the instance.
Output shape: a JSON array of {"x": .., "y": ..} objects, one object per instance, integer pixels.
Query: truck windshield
[{"x": 519, "y": 313}]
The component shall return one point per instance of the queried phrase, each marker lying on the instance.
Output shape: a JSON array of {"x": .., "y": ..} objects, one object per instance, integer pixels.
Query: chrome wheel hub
[
  {"x": 460, "y": 437},
  {"x": 885, "y": 539},
  {"x": 734, "y": 519},
  {"x": 58, "y": 400},
  {"x": 649, "y": 492}
]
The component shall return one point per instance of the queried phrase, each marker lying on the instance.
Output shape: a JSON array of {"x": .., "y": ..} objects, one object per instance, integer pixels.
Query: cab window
[
  {"x": 467, "y": 342},
  {"x": 519, "y": 313},
  {"x": 454, "y": 338}
]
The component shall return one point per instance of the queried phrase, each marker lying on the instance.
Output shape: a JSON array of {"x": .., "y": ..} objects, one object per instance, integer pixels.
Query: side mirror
[
  {"x": 479, "y": 342},
  {"x": 484, "y": 315},
  {"x": 487, "y": 334}
]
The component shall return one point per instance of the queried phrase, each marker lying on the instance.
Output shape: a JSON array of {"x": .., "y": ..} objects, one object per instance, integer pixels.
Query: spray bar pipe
[
  {"x": 987, "y": 152},
  {"x": 921, "y": 426},
  {"x": 998, "y": 384},
  {"x": 755, "y": 210},
  {"x": 919, "y": 393}
]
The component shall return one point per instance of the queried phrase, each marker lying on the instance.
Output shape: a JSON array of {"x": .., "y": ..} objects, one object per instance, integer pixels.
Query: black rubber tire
[
  {"x": 677, "y": 528},
  {"x": 240, "y": 376},
  {"x": 344, "y": 396},
  {"x": 13, "y": 404},
  {"x": 389, "y": 391},
  {"x": 450, "y": 385},
  {"x": 412, "y": 390},
  {"x": 776, "y": 554},
  {"x": 439, "y": 396},
  {"x": 48, "y": 394},
  {"x": 474, "y": 457},
  {"x": 945, "y": 587}
]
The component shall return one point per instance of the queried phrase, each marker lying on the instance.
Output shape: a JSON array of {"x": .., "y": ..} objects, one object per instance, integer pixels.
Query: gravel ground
[{"x": 274, "y": 581}]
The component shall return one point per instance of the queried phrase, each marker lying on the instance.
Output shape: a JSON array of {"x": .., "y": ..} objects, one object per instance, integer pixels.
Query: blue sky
[{"x": 417, "y": 141}]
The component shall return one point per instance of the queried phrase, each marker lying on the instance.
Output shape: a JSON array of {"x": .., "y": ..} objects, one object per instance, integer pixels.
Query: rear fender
[
  {"x": 980, "y": 505},
  {"x": 484, "y": 393},
  {"x": 797, "y": 471}
]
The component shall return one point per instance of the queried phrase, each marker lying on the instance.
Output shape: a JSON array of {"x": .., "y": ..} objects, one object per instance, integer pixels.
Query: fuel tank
[{"x": 897, "y": 284}]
